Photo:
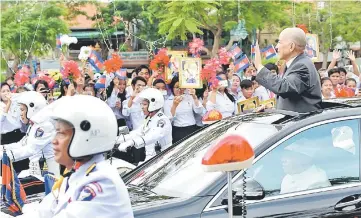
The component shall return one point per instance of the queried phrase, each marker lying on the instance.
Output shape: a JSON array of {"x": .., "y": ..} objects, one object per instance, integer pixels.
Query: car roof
[{"x": 334, "y": 108}]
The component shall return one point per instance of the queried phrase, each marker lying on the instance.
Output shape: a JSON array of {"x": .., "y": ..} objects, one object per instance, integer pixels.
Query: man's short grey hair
[{"x": 296, "y": 35}]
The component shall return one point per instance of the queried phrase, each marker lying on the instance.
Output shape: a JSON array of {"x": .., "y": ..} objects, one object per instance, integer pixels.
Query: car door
[{"x": 312, "y": 172}]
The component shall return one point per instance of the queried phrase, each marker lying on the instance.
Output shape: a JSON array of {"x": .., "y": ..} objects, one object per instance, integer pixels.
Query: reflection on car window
[
  {"x": 323, "y": 156},
  {"x": 179, "y": 172}
]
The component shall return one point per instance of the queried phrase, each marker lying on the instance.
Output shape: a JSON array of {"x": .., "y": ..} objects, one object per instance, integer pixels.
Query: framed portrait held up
[
  {"x": 248, "y": 105},
  {"x": 190, "y": 73},
  {"x": 174, "y": 63},
  {"x": 312, "y": 47}
]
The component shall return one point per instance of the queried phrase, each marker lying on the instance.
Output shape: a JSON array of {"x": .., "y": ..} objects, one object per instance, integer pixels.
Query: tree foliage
[{"x": 19, "y": 21}]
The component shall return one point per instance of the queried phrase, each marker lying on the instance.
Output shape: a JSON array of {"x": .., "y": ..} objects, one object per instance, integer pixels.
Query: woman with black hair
[
  {"x": 67, "y": 88},
  {"x": 115, "y": 96},
  {"x": 42, "y": 87},
  {"x": 161, "y": 86},
  {"x": 180, "y": 108},
  {"x": 219, "y": 99},
  {"x": 10, "y": 124}
]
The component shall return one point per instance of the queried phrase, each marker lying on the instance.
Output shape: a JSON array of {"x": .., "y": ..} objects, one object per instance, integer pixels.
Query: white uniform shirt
[
  {"x": 111, "y": 101},
  {"x": 262, "y": 93},
  {"x": 302, "y": 181},
  {"x": 34, "y": 145},
  {"x": 184, "y": 114},
  {"x": 223, "y": 104},
  {"x": 9, "y": 121},
  {"x": 156, "y": 130},
  {"x": 100, "y": 193},
  {"x": 135, "y": 113},
  {"x": 199, "y": 117}
]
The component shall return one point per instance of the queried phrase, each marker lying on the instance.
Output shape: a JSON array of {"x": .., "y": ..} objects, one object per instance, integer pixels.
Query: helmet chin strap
[{"x": 151, "y": 114}]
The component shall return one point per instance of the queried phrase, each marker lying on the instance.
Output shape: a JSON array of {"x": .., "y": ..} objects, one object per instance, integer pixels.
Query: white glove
[
  {"x": 120, "y": 139},
  {"x": 123, "y": 146}
]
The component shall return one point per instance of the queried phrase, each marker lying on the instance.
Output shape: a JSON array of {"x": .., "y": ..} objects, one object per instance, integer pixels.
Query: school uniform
[
  {"x": 135, "y": 113},
  {"x": 262, "y": 93},
  {"x": 183, "y": 122},
  {"x": 199, "y": 117},
  {"x": 12, "y": 130},
  {"x": 111, "y": 101},
  {"x": 95, "y": 189},
  {"x": 223, "y": 104}
]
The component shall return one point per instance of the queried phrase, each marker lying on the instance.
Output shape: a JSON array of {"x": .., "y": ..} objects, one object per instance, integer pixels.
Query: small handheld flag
[
  {"x": 269, "y": 52},
  {"x": 12, "y": 191},
  {"x": 235, "y": 52},
  {"x": 58, "y": 43},
  {"x": 100, "y": 84},
  {"x": 96, "y": 60},
  {"x": 241, "y": 64}
]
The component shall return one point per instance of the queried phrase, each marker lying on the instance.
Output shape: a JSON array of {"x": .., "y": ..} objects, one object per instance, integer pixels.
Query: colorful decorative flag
[
  {"x": 100, "y": 84},
  {"x": 58, "y": 43},
  {"x": 12, "y": 191},
  {"x": 235, "y": 52},
  {"x": 253, "y": 54},
  {"x": 241, "y": 63},
  {"x": 121, "y": 73},
  {"x": 96, "y": 60},
  {"x": 269, "y": 52}
]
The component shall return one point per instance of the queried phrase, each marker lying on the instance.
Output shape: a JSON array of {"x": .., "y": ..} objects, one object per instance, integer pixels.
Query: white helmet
[
  {"x": 155, "y": 98},
  {"x": 93, "y": 121},
  {"x": 34, "y": 101}
]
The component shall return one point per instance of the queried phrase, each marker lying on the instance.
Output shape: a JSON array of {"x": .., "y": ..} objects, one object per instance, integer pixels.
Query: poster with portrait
[
  {"x": 174, "y": 62},
  {"x": 248, "y": 106},
  {"x": 270, "y": 103},
  {"x": 190, "y": 73},
  {"x": 312, "y": 47}
]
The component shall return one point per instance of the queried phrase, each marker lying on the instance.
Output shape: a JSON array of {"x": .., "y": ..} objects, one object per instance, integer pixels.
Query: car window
[{"x": 322, "y": 156}]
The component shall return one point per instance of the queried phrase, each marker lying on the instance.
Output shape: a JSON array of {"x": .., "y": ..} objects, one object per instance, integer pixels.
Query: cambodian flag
[
  {"x": 235, "y": 52},
  {"x": 241, "y": 64},
  {"x": 121, "y": 73},
  {"x": 100, "y": 84},
  {"x": 58, "y": 43},
  {"x": 253, "y": 53},
  {"x": 269, "y": 52},
  {"x": 96, "y": 60},
  {"x": 12, "y": 192}
]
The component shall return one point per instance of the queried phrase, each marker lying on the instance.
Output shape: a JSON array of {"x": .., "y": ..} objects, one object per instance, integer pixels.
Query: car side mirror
[
  {"x": 123, "y": 130},
  {"x": 253, "y": 191}
]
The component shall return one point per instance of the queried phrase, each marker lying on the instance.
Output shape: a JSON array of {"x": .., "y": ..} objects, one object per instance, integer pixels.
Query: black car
[{"x": 306, "y": 165}]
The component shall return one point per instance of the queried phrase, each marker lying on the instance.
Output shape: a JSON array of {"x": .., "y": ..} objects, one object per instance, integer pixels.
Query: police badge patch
[
  {"x": 87, "y": 194},
  {"x": 39, "y": 133},
  {"x": 161, "y": 123}
]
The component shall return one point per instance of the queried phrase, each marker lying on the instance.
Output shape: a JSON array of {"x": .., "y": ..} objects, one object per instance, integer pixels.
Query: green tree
[
  {"x": 177, "y": 18},
  {"x": 341, "y": 18},
  {"x": 20, "y": 21}
]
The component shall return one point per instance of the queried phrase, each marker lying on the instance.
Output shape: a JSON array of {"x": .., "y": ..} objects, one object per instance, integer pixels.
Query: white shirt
[
  {"x": 135, "y": 113},
  {"x": 184, "y": 114},
  {"x": 156, "y": 130},
  {"x": 302, "y": 181},
  {"x": 223, "y": 104},
  {"x": 332, "y": 95},
  {"x": 262, "y": 93},
  {"x": 129, "y": 91},
  {"x": 111, "y": 101},
  {"x": 99, "y": 193},
  {"x": 9, "y": 121},
  {"x": 34, "y": 145},
  {"x": 199, "y": 117}
]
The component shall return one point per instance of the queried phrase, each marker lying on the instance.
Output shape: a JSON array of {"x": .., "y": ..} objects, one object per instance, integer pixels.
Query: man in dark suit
[{"x": 298, "y": 88}]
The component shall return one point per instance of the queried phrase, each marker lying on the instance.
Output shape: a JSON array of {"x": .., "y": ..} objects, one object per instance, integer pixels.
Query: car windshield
[{"x": 178, "y": 172}]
